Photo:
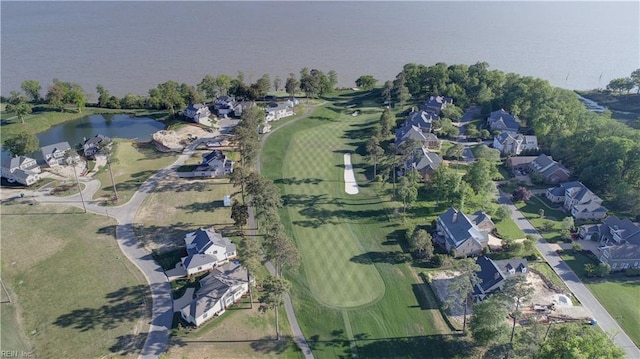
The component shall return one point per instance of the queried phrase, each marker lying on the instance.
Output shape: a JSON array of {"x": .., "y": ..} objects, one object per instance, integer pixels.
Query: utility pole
[{"x": 113, "y": 183}]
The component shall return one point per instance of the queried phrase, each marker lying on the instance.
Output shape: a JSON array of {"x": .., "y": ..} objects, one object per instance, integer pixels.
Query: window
[{"x": 205, "y": 315}]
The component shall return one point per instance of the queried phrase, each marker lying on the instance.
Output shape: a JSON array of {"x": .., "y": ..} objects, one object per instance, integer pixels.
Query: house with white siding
[
  {"x": 20, "y": 169},
  {"x": 206, "y": 249}
]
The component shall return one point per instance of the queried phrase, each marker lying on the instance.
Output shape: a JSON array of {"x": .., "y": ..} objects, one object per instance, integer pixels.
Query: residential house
[
  {"x": 217, "y": 291},
  {"x": 206, "y": 249},
  {"x": 578, "y": 200},
  {"x": 619, "y": 239},
  {"x": 198, "y": 112},
  {"x": 91, "y": 146},
  {"x": 501, "y": 120},
  {"x": 551, "y": 171},
  {"x": 493, "y": 274},
  {"x": 422, "y": 119},
  {"x": 511, "y": 143},
  {"x": 467, "y": 235},
  {"x": 54, "y": 155},
  {"x": 224, "y": 105},
  {"x": 214, "y": 164},
  {"x": 424, "y": 162},
  {"x": 519, "y": 163},
  {"x": 427, "y": 139},
  {"x": 276, "y": 111},
  {"x": 241, "y": 106},
  {"x": 621, "y": 257},
  {"x": 435, "y": 104},
  {"x": 262, "y": 129},
  {"x": 20, "y": 169}
]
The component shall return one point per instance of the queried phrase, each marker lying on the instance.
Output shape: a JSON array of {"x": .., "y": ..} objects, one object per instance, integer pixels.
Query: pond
[{"x": 110, "y": 125}]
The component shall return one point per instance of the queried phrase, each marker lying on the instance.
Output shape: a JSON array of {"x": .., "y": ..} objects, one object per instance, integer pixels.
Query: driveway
[{"x": 579, "y": 290}]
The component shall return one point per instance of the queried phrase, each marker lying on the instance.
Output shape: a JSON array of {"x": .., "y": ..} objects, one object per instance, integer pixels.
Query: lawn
[
  {"x": 186, "y": 204},
  {"x": 78, "y": 295},
  {"x": 133, "y": 163},
  {"x": 508, "y": 229},
  {"x": 356, "y": 292},
  {"x": 531, "y": 210},
  {"x": 619, "y": 294}
]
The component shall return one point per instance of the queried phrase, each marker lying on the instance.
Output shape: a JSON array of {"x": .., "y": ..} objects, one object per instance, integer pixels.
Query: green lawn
[
  {"x": 531, "y": 210},
  {"x": 357, "y": 292},
  {"x": 508, "y": 229},
  {"x": 78, "y": 296},
  {"x": 619, "y": 294},
  {"x": 133, "y": 164}
]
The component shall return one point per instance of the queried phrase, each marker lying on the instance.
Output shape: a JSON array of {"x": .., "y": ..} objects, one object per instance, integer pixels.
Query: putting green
[{"x": 328, "y": 224}]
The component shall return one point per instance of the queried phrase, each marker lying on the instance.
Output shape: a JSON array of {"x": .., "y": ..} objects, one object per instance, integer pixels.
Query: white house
[
  {"x": 21, "y": 169},
  {"x": 206, "y": 250},
  {"x": 218, "y": 291},
  {"x": 276, "y": 111},
  {"x": 198, "y": 113},
  {"x": 54, "y": 154},
  {"x": 578, "y": 199},
  {"x": 514, "y": 143}
]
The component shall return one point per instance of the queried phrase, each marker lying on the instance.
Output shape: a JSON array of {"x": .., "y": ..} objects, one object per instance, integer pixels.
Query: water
[
  {"x": 112, "y": 126},
  {"x": 133, "y": 46}
]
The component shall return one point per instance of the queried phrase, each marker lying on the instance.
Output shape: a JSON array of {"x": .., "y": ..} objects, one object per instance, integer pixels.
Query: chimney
[
  {"x": 496, "y": 275},
  {"x": 455, "y": 217}
]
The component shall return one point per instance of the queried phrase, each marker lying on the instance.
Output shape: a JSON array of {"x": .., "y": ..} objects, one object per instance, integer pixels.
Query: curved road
[{"x": 586, "y": 298}]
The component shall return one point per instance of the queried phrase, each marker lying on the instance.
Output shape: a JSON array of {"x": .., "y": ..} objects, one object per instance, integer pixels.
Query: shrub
[{"x": 632, "y": 272}]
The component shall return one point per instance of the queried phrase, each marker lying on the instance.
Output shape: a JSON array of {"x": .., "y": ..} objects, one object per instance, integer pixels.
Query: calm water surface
[
  {"x": 112, "y": 126},
  {"x": 133, "y": 46}
]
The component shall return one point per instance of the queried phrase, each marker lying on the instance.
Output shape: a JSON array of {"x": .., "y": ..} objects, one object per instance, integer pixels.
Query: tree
[
  {"x": 18, "y": 104},
  {"x": 32, "y": 89},
  {"x": 249, "y": 254},
  {"x": 452, "y": 112},
  {"x": 73, "y": 160},
  {"x": 275, "y": 289},
  {"x": 570, "y": 341},
  {"x": 239, "y": 213},
  {"x": 407, "y": 191},
  {"x": 387, "y": 123},
  {"x": 455, "y": 152},
  {"x": 332, "y": 76},
  {"x": 56, "y": 94},
  {"x": 502, "y": 212},
  {"x": 223, "y": 83},
  {"x": 635, "y": 77},
  {"x": 521, "y": 194},
  {"x": 277, "y": 82},
  {"x": 515, "y": 291},
  {"x": 479, "y": 176},
  {"x": 375, "y": 153},
  {"x": 421, "y": 242},
  {"x": 462, "y": 286},
  {"x": 403, "y": 95},
  {"x": 568, "y": 223},
  {"x": 239, "y": 177},
  {"x": 281, "y": 252},
  {"x": 291, "y": 84},
  {"x": 208, "y": 86},
  {"x": 387, "y": 90},
  {"x": 445, "y": 184},
  {"x": 366, "y": 82},
  {"x": 22, "y": 144},
  {"x": 487, "y": 324},
  {"x": 76, "y": 96},
  {"x": 103, "y": 96},
  {"x": 472, "y": 131}
]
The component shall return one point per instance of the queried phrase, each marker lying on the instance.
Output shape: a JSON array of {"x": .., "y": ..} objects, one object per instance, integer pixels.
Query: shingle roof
[
  {"x": 626, "y": 229},
  {"x": 458, "y": 225},
  {"x": 426, "y": 160},
  {"x": 489, "y": 275},
  {"x": 56, "y": 147},
  {"x": 625, "y": 251},
  {"x": 406, "y": 132},
  {"x": 502, "y": 116}
]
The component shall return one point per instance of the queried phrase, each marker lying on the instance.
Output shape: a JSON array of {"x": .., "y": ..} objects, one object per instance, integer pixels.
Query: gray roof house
[
  {"x": 620, "y": 239},
  {"x": 214, "y": 164},
  {"x": 422, "y": 119},
  {"x": 92, "y": 145},
  {"x": 468, "y": 235},
  {"x": 206, "y": 250},
  {"x": 514, "y": 143},
  {"x": 417, "y": 133},
  {"x": 276, "y": 111},
  {"x": 435, "y": 104},
  {"x": 197, "y": 112},
  {"x": 621, "y": 257},
  {"x": 54, "y": 154},
  {"x": 218, "y": 290},
  {"x": 578, "y": 199},
  {"x": 425, "y": 162},
  {"x": 20, "y": 169},
  {"x": 492, "y": 274},
  {"x": 502, "y": 120},
  {"x": 551, "y": 171}
]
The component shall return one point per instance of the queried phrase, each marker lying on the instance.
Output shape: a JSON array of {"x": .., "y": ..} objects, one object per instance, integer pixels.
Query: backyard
[
  {"x": 357, "y": 292},
  {"x": 76, "y": 295}
]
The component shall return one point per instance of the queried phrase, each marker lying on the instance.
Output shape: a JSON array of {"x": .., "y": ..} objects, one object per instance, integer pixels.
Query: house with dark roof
[
  {"x": 206, "y": 249},
  {"x": 214, "y": 164},
  {"x": 422, "y": 119},
  {"x": 416, "y": 133},
  {"x": 551, "y": 171},
  {"x": 620, "y": 241},
  {"x": 519, "y": 163},
  {"x": 578, "y": 200},
  {"x": 218, "y": 291},
  {"x": 20, "y": 169},
  {"x": 92, "y": 145},
  {"x": 511, "y": 143},
  {"x": 224, "y": 105},
  {"x": 493, "y": 274},
  {"x": 197, "y": 112},
  {"x": 502, "y": 120},
  {"x": 54, "y": 155},
  {"x": 241, "y": 106},
  {"x": 435, "y": 104},
  {"x": 425, "y": 162},
  {"x": 467, "y": 235}
]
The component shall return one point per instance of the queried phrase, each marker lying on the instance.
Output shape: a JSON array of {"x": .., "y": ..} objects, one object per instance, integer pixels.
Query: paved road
[
  {"x": 605, "y": 320},
  {"x": 157, "y": 340}
]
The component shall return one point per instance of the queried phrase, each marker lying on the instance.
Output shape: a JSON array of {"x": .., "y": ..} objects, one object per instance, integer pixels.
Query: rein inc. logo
[{"x": 15, "y": 354}]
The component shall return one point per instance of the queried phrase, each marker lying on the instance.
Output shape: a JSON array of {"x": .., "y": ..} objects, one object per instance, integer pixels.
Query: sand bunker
[{"x": 350, "y": 184}]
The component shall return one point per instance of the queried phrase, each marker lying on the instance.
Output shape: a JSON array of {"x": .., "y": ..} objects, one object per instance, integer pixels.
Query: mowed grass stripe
[{"x": 327, "y": 240}]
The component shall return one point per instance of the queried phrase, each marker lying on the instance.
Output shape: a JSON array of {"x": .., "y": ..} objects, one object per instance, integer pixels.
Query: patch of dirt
[{"x": 177, "y": 140}]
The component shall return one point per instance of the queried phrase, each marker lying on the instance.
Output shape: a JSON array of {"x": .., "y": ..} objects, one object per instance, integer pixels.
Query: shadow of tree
[
  {"x": 268, "y": 345},
  {"x": 297, "y": 181},
  {"x": 202, "y": 206},
  {"x": 431, "y": 346},
  {"x": 124, "y": 305},
  {"x": 390, "y": 257}
]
